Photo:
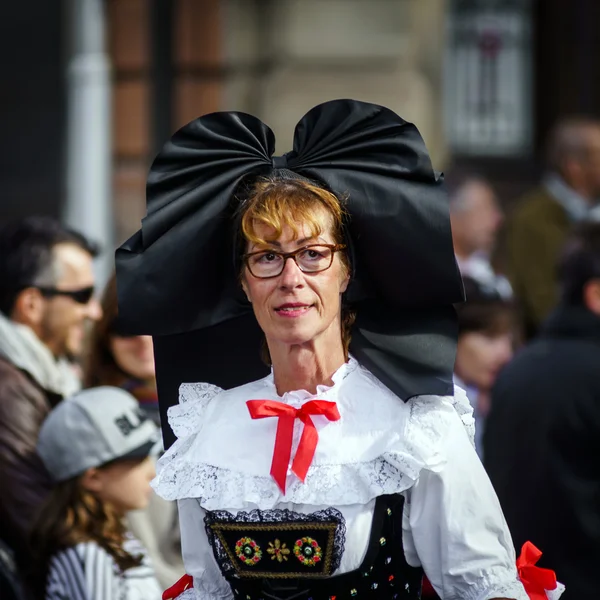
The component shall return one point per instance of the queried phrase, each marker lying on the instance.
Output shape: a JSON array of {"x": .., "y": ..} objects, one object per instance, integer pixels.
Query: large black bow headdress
[{"x": 177, "y": 278}]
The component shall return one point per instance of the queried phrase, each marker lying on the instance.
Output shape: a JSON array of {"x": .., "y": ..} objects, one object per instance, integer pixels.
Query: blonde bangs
[{"x": 289, "y": 203}]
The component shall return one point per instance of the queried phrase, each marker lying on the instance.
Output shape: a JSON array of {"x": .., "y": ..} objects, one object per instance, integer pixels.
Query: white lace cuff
[
  {"x": 556, "y": 593},
  {"x": 497, "y": 584}
]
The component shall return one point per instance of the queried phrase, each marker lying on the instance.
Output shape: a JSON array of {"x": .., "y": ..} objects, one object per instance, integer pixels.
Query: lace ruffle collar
[
  {"x": 379, "y": 445},
  {"x": 346, "y": 369}
]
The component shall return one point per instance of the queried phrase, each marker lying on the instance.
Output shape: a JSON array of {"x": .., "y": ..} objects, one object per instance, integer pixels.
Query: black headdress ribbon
[{"x": 176, "y": 275}]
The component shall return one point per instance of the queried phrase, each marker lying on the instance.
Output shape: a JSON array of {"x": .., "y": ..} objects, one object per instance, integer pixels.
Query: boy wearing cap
[{"x": 96, "y": 446}]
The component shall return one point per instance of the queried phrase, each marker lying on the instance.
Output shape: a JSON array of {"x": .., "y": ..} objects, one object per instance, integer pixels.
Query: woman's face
[
  {"x": 124, "y": 484},
  {"x": 134, "y": 355},
  {"x": 480, "y": 356},
  {"x": 297, "y": 308}
]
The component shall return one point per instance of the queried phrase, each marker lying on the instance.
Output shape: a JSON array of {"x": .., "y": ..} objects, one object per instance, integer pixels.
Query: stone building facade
[{"x": 273, "y": 58}]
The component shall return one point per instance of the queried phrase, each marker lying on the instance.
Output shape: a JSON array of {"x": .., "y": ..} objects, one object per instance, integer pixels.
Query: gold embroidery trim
[{"x": 218, "y": 528}]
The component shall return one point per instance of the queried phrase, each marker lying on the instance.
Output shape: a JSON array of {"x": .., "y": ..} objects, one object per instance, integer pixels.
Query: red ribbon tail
[
  {"x": 185, "y": 583},
  {"x": 306, "y": 449},
  {"x": 283, "y": 450}
]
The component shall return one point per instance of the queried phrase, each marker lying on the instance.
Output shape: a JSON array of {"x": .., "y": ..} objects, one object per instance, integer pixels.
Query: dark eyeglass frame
[
  {"x": 81, "y": 296},
  {"x": 285, "y": 255}
]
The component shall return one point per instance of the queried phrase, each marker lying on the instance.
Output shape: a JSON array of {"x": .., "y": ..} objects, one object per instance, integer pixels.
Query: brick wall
[{"x": 196, "y": 88}]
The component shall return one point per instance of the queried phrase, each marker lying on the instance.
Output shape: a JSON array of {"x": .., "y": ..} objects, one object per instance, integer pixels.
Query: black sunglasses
[{"x": 82, "y": 296}]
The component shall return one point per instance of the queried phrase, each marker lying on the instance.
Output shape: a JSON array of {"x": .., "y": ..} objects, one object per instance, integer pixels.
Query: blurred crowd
[{"x": 75, "y": 500}]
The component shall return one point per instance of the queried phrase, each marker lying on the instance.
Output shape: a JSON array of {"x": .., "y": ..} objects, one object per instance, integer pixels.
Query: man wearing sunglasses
[{"x": 46, "y": 298}]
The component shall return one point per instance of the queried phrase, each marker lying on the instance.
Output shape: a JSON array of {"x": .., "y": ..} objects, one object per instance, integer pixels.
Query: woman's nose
[{"x": 291, "y": 276}]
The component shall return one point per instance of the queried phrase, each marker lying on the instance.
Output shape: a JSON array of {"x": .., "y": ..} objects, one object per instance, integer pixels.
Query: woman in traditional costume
[{"x": 347, "y": 469}]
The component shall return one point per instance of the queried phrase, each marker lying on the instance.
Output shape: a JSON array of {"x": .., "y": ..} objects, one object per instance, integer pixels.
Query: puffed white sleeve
[
  {"x": 454, "y": 527},
  {"x": 198, "y": 557}
]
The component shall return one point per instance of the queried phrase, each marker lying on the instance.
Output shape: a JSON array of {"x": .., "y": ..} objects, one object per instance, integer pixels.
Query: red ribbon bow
[
  {"x": 535, "y": 580},
  {"x": 261, "y": 409},
  {"x": 186, "y": 582}
]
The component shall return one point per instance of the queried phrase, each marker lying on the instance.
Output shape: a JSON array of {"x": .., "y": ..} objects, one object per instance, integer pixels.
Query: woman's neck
[{"x": 299, "y": 367}]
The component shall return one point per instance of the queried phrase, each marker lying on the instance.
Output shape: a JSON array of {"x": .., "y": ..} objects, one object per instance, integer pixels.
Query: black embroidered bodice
[{"x": 283, "y": 555}]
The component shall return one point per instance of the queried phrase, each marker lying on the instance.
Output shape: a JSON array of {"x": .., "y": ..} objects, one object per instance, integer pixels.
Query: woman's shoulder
[{"x": 197, "y": 402}]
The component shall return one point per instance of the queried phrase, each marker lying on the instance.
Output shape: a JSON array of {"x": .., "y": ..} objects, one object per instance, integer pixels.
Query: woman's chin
[{"x": 296, "y": 336}]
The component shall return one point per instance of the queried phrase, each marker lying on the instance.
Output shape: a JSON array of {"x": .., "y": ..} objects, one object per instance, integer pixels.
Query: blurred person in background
[
  {"x": 476, "y": 218},
  {"x": 118, "y": 359},
  {"x": 486, "y": 327},
  {"x": 125, "y": 361},
  {"x": 539, "y": 227},
  {"x": 542, "y": 438},
  {"x": 96, "y": 446},
  {"x": 46, "y": 298}
]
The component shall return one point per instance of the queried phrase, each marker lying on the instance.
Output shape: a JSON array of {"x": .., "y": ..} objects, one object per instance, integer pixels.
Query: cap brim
[{"x": 140, "y": 452}]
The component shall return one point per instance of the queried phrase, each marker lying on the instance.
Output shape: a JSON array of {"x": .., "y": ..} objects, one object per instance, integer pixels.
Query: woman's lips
[{"x": 291, "y": 311}]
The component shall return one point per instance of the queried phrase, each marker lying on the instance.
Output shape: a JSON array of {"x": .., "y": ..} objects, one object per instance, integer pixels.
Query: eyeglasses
[
  {"x": 82, "y": 296},
  {"x": 309, "y": 259}
]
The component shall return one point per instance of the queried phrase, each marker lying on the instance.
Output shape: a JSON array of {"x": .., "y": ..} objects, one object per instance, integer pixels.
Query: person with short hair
[
  {"x": 46, "y": 299},
  {"x": 542, "y": 437},
  {"x": 476, "y": 218},
  {"x": 486, "y": 338},
  {"x": 96, "y": 445},
  {"x": 542, "y": 219}
]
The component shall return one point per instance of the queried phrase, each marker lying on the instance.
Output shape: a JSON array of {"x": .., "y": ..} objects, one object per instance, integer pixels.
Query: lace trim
[
  {"x": 180, "y": 476},
  {"x": 463, "y": 408},
  {"x": 276, "y": 516},
  {"x": 556, "y": 593},
  {"x": 498, "y": 583},
  {"x": 185, "y": 417},
  {"x": 346, "y": 369}
]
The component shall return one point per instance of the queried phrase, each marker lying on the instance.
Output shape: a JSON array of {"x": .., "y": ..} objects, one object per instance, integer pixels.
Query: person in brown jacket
[
  {"x": 46, "y": 297},
  {"x": 542, "y": 220}
]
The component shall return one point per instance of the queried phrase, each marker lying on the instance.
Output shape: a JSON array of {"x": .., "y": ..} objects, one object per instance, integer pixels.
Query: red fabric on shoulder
[{"x": 185, "y": 583}]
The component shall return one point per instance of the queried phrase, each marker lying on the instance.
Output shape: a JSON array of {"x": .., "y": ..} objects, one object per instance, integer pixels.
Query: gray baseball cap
[{"x": 92, "y": 428}]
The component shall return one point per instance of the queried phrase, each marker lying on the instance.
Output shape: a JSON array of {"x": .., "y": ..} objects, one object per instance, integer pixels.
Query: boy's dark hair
[
  {"x": 484, "y": 311},
  {"x": 580, "y": 263},
  {"x": 26, "y": 257}
]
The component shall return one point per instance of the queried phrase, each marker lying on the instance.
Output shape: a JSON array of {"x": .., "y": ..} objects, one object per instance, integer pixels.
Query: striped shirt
[{"x": 87, "y": 572}]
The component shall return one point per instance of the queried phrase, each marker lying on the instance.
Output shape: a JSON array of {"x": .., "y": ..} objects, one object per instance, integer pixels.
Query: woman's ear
[
  {"x": 246, "y": 290},
  {"x": 92, "y": 480},
  {"x": 344, "y": 285}
]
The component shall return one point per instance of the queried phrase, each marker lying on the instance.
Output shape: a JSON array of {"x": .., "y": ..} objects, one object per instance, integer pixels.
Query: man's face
[
  {"x": 63, "y": 320},
  {"x": 475, "y": 226},
  {"x": 591, "y": 162}
]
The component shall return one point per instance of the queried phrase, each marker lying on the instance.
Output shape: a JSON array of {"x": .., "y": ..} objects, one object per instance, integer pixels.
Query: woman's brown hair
[
  {"x": 100, "y": 367},
  {"x": 278, "y": 203},
  {"x": 69, "y": 516}
]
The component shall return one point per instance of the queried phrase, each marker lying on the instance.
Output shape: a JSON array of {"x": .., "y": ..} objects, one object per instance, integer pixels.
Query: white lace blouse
[{"x": 452, "y": 524}]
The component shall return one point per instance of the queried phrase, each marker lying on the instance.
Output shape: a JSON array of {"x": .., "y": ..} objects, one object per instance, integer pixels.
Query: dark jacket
[
  {"x": 542, "y": 447},
  {"x": 24, "y": 482},
  {"x": 535, "y": 235}
]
